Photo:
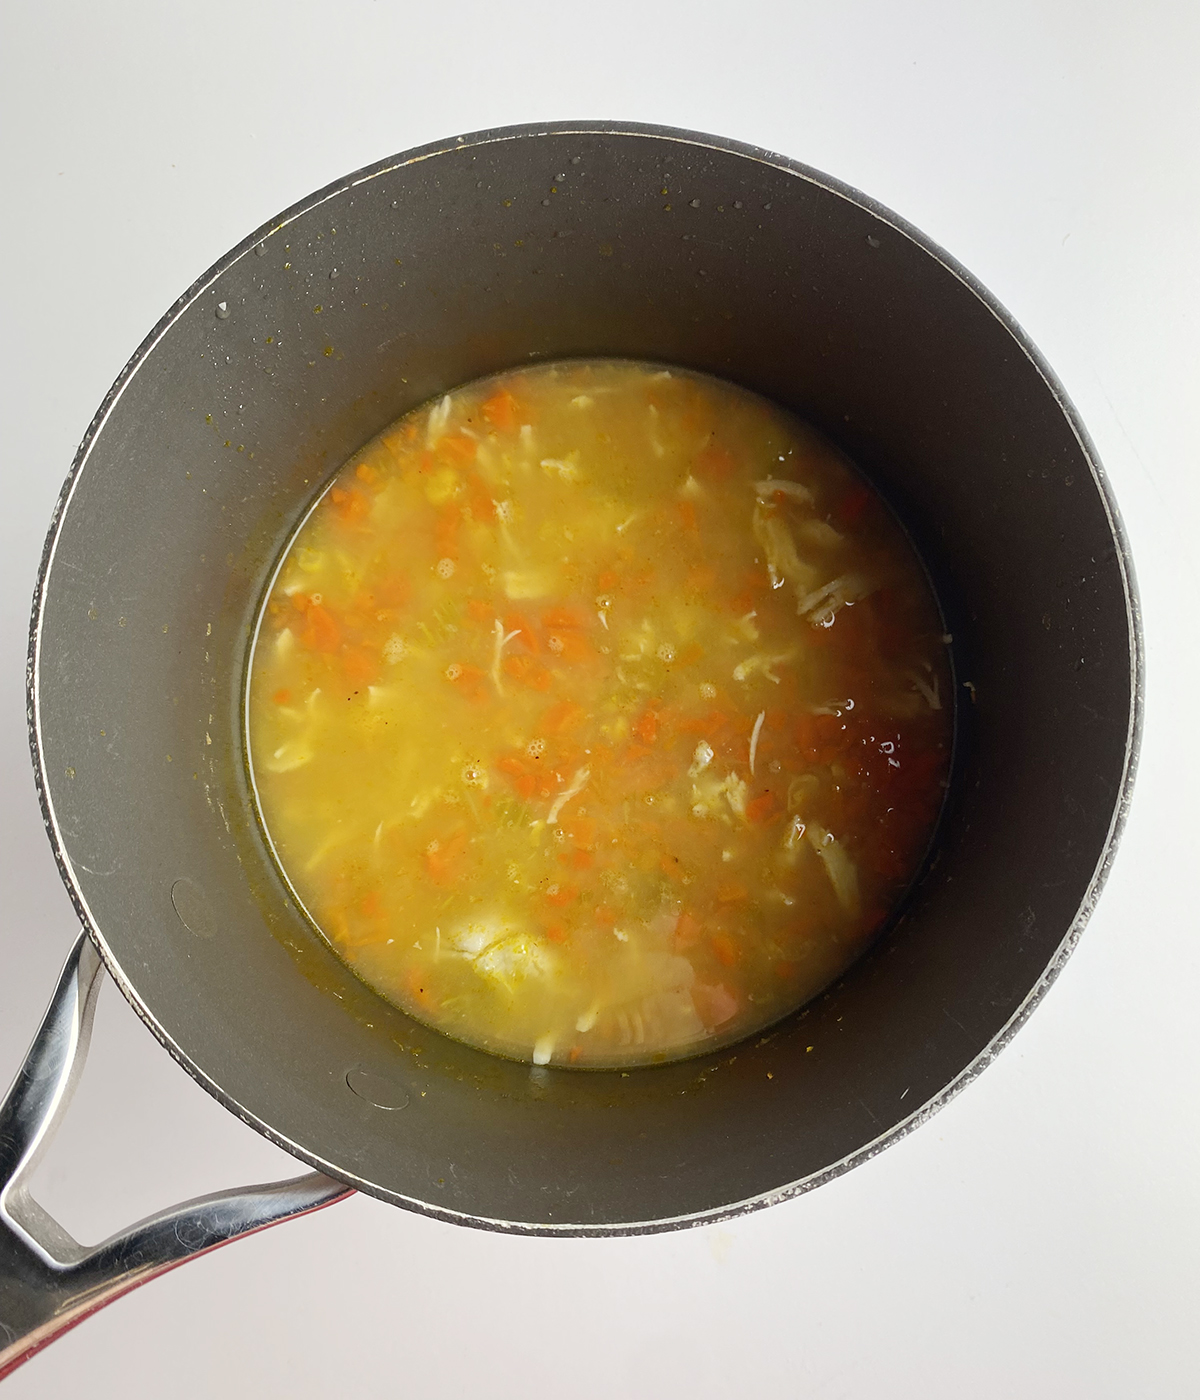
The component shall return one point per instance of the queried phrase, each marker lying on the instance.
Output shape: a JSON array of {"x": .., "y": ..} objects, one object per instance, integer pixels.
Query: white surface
[{"x": 1041, "y": 1237}]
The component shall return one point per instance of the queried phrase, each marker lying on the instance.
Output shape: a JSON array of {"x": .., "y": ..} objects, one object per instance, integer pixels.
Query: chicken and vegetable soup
[{"x": 599, "y": 713}]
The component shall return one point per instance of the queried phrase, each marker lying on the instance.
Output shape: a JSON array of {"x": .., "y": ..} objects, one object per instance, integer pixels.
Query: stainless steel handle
[{"x": 49, "y": 1282}]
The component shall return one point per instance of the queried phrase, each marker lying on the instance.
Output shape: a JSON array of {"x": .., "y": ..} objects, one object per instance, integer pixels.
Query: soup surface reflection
[{"x": 599, "y": 713}]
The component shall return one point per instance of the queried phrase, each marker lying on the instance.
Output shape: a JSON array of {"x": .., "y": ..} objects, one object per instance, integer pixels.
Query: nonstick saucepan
[{"x": 397, "y": 283}]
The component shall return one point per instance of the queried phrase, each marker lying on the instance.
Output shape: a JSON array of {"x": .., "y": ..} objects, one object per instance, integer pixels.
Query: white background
[{"x": 1041, "y": 1237}]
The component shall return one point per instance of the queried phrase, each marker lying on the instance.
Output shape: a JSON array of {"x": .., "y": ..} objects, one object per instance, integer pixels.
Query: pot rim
[{"x": 759, "y": 155}]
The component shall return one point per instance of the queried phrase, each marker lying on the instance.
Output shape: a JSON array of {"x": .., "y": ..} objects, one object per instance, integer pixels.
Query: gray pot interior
[{"x": 454, "y": 262}]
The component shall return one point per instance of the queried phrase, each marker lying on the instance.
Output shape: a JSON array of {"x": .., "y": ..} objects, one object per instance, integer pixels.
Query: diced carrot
[
  {"x": 731, "y": 892},
  {"x": 711, "y": 722},
  {"x": 583, "y": 832},
  {"x": 445, "y": 531},
  {"x": 607, "y": 579},
  {"x": 366, "y": 473},
  {"x": 561, "y": 895},
  {"x": 443, "y": 859},
  {"x": 575, "y": 1053},
  {"x": 713, "y": 462},
  {"x": 371, "y": 905},
  {"x": 522, "y": 779},
  {"x": 581, "y": 860},
  {"x": 725, "y": 949},
  {"x": 563, "y": 717},
  {"x": 282, "y": 696},
  {"x": 525, "y": 671},
  {"x": 763, "y": 807},
  {"x": 479, "y": 498},
  {"x": 687, "y": 515},
  {"x": 690, "y": 654},
  {"x": 360, "y": 666},
  {"x": 459, "y": 451},
  {"x": 645, "y": 727},
  {"x": 556, "y": 933},
  {"x": 571, "y": 647},
  {"x": 560, "y": 619},
  {"x": 480, "y": 609},
  {"x": 502, "y": 411},
  {"x": 604, "y": 916},
  {"x": 714, "y": 1005},
  {"x": 687, "y": 932},
  {"x": 350, "y": 503},
  {"x": 322, "y": 633}
]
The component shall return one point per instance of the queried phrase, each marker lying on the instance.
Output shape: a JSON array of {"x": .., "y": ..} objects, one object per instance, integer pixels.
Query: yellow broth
[{"x": 599, "y": 713}]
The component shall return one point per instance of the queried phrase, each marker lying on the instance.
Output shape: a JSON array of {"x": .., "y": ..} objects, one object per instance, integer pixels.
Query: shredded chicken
[
  {"x": 928, "y": 691},
  {"x": 577, "y": 785},
  {"x": 438, "y": 418},
  {"x": 772, "y": 533},
  {"x": 702, "y": 757},
  {"x": 502, "y": 639},
  {"x": 821, "y": 605},
  {"x": 762, "y": 663},
  {"x": 842, "y": 872},
  {"x": 758, "y": 724},
  {"x": 773, "y": 486}
]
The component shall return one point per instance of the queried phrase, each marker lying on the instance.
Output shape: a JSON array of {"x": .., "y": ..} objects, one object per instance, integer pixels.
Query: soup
[{"x": 599, "y": 713}]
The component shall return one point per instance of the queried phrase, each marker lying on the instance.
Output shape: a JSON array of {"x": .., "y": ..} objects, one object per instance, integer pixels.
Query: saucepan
[{"x": 400, "y": 281}]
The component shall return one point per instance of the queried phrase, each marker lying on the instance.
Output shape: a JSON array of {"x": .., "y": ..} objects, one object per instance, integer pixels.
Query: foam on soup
[{"x": 599, "y": 713}]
